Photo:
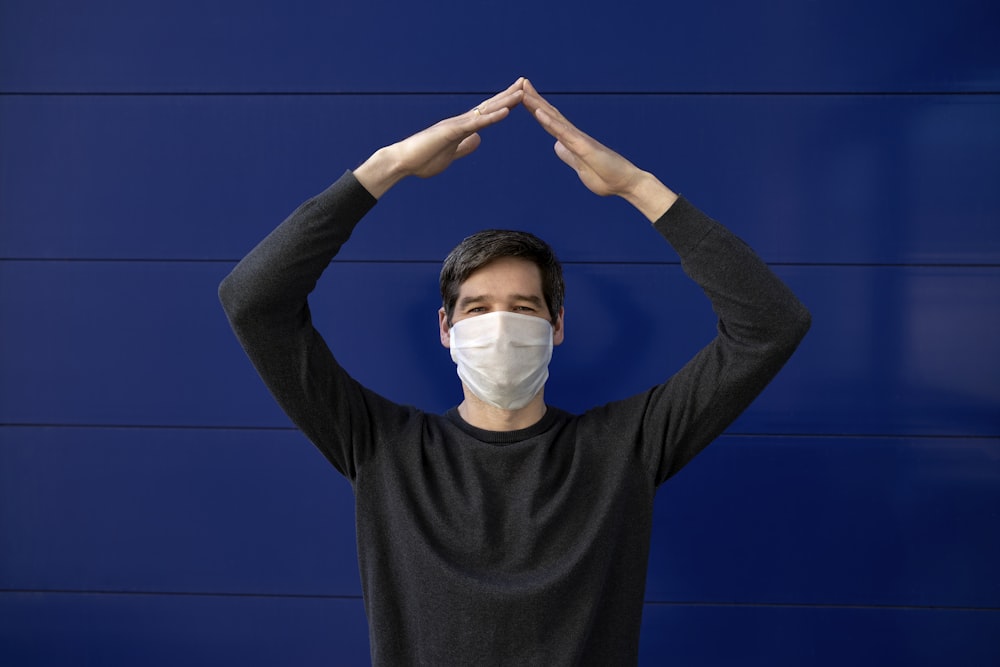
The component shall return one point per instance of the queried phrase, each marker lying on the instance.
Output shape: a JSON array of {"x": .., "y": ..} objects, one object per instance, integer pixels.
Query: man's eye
[
  {"x": 527, "y": 309},
  {"x": 476, "y": 309}
]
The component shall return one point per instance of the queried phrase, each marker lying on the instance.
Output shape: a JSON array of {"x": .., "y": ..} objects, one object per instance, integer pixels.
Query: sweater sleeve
[
  {"x": 265, "y": 300},
  {"x": 760, "y": 324}
]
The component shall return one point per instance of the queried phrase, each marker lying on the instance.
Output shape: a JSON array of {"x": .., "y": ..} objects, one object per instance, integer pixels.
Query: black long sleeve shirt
[{"x": 523, "y": 547}]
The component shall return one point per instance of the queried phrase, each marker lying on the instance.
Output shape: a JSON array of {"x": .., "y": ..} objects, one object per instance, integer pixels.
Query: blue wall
[{"x": 156, "y": 507}]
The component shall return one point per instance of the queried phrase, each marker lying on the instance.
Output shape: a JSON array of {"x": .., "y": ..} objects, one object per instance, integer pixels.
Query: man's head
[{"x": 486, "y": 247}]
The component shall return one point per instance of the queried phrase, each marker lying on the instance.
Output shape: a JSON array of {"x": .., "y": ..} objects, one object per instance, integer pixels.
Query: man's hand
[
  {"x": 602, "y": 170},
  {"x": 431, "y": 151}
]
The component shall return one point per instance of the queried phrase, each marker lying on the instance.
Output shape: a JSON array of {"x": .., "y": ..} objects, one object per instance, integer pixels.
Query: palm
[
  {"x": 431, "y": 151},
  {"x": 603, "y": 171}
]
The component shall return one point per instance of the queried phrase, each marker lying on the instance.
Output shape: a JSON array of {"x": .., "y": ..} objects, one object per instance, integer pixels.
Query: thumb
[
  {"x": 467, "y": 145},
  {"x": 567, "y": 156}
]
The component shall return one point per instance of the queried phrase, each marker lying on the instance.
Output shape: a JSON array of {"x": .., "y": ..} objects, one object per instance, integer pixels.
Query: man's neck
[{"x": 490, "y": 418}]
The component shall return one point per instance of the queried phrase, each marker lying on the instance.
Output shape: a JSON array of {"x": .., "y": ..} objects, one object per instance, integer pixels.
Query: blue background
[{"x": 157, "y": 508}]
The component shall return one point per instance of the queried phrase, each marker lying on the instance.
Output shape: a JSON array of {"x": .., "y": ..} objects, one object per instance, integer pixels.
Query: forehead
[{"x": 503, "y": 275}]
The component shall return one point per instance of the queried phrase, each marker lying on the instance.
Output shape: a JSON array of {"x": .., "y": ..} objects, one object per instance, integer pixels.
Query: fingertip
[{"x": 494, "y": 116}]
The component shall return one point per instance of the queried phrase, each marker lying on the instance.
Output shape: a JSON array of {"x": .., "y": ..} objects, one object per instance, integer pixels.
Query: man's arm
[
  {"x": 265, "y": 301},
  {"x": 265, "y": 297},
  {"x": 431, "y": 151},
  {"x": 602, "y": 170},
  {"x": 761, "y": 322}
]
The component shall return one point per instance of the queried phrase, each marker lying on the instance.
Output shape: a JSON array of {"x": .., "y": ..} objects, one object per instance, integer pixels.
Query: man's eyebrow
[
  {"x": 483, "y": 298},
  {"x": 530, "y": 298},
  {"x": 467, "y": 300}
]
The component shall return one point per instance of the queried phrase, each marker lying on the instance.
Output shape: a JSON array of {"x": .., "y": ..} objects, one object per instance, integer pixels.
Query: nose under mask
[{"x": 503, "y": 357}]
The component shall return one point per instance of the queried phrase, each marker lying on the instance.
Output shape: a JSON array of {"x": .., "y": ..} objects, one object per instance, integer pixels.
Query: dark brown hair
[{"x": 483, "y": 247}]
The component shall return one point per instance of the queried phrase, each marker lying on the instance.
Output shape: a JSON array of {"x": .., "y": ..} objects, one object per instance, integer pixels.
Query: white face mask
[{"x": 502, "y": 357}]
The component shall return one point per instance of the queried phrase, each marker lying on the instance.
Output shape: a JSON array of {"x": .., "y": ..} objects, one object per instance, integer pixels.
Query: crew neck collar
[{"x": 505, "y": 437}]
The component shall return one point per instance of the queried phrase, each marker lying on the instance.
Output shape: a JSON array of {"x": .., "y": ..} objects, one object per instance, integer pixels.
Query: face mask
[{"x": 503, "y": 358}]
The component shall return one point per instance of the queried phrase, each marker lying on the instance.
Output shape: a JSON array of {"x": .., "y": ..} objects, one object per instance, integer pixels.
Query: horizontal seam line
[
  {"x": 138, "y": 260},
  {"x": 307, "y": 596},
  {"x": 451, "y": 93},
  {"x": 165, "y": 427},
  {"x": 670, "y": 603},
  {"x": 193, "y": 427},
  {"x": 820, "y": 605}
]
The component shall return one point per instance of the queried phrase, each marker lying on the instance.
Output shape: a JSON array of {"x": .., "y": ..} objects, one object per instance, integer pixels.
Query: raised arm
[
  {"x": 760, "y": 320},
  {"x": 431, "y": 151},
  {"x": 602, "y": 170},
  {"x": 265, "y": 296}
]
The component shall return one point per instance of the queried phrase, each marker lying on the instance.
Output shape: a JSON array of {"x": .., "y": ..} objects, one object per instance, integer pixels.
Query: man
[{"x": 506, "y": 532}]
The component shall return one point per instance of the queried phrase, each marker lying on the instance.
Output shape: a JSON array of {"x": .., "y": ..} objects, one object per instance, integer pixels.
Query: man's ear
[
  {"x": 558, "y": 331},
  {"x": 444, "y": 328}
]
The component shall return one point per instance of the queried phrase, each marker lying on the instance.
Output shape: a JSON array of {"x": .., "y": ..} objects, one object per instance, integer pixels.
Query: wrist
[
  {"x": 651, "y": 197},
  {"x": 380, "y": 172}
]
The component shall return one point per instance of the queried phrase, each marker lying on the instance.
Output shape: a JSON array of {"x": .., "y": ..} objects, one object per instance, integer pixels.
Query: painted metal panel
[
  {"x": 893, "y": 350},
  {"x": 173, "y": 511},
  {"x": 112, "y": 631},
  {"x": 696, "y": 635},
  {"x": 754, "y": 520},
  {"x": 831, "y": 521},
  {"x": 55, "y": 630},
  {"x": 856, "y": 143},
  {"x": 778, "y": 45},
  {"x": 819, "y": 179}
]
